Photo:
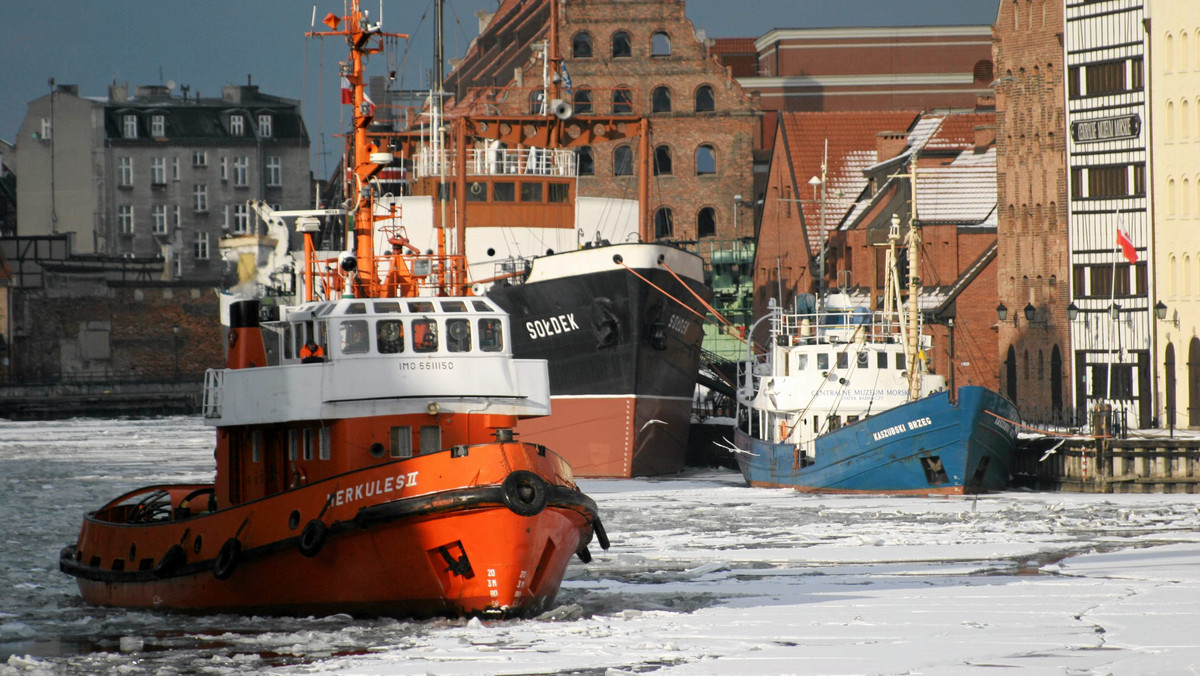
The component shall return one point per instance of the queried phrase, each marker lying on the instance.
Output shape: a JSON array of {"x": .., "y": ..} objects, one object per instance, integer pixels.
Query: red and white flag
[
  {"x": 1126, "y": 246},
  {"x": 370, "y": 102},
  {"x": 347, "y": 95}
]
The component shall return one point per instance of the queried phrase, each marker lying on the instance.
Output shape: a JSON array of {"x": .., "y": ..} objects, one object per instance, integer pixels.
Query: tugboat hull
[{"x": 394, "y": 539}]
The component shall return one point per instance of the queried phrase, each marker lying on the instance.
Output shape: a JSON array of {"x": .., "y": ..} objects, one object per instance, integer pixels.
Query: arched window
[
  {"x": 660, "y": 100},
  {"x": 622, "y": 100},
  {"x": 706, "y": 222},
  {"x": 1185, "y": 120},
  {"x": 582, "y": 101},
  {"x": 1170, "y": 120},
  {"x": 587, "y": 163},
  {"x": 581, "y": 46},
  {"x": 706, "y": 161},
  {"x": 537, "y": 104},
  {"x": 660, "y": 44},
  {"x": 662, "y": 160},
  {"x": 704, "y": 99},
  {"x": 664, "y": 223},
  {"x": 623, "y": 161},
  {"x": 621, "y": 46}
]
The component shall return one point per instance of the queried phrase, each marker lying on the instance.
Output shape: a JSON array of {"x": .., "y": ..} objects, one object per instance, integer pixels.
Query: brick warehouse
[
  {"x": 644, "y": 57},
  {"x": 1032, "y": 198}
]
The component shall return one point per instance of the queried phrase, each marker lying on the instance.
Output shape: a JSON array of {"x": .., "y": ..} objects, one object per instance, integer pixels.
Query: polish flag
[
  {"x": 370, "y": 102},
  {"x": 347, "y": 95},
  {"x": 1126, "y": 246}
]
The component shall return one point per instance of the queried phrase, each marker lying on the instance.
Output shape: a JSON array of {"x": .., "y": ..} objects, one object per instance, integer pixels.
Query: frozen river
[{"x": 705, "y": 576}]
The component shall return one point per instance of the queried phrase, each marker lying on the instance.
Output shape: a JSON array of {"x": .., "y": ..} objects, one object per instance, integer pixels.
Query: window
[
  {"x": 823, "y": 361},
  {"x": 125, "y": 219},
  {"x": 308, "y": 444},
  {"x": 237, "y": 125},
  {"x": 241, "y": 171},
  {"x": 401, "y": 442},
  {"x": 581, "y": 46},
  {"x": 174, "y": 168},
  {"x": 662, "y": 161},
  {"x": 531, "y": 192},
  {"x": 537, "y": 102},
  {"x": 622, "y": 100},
  {"x": 504, "y": 192},
  {"x": 241, "y": 219},
  {"x": 224, "y": 168},
  {"x": 706, "y": 161},
  {"x": 477, "y": 191},
  {"x": 177, "y": 218},
  {"x": 199, "y": 158},
  {"x": 664, "y": 223},
  {"x": 201, "y": 246},
  {"x": 706, "y": 222},
  {"x": 264, "y": 125},
  {"x": 274, "y": 172},
  {"x": 582, "y": 100},
  {"x": 459, "y": 332},
  {"x": 158, "y": 126},
  {"x": 431, "y": 438},
  {"x": 621, "y": 45},
  {"x": 47, "y": 130},
  {"x": 354, "y": 337},
  {"x": 660, "y": 100},
  {"x": 587, "y": 162},
  {"x": 389, "y": 336},
  {"x": 129, "y": 126},
  {"x": 558, "y": 193},
  {"x": 425, "y": 338},
  {"x": 704, "y": 99},
  {"x": 491, "y": 335},
  {"x": 660, "y": 44},
  {"x": 158, "y": 171},
  {"x": 200, "y": 198},
  {"x": 326, "y": 443},
  {"x": 125, "y": 172},
  {"x": 623, "y": 161},
  {"x": 159, "y": 219}
]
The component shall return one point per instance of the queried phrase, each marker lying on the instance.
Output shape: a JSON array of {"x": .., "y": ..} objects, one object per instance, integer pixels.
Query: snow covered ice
[{"x": 705, "y": 576}]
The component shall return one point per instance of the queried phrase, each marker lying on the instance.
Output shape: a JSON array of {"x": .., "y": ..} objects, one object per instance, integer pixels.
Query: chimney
[
  {"x": 118, "y": 93},
  {"x": 71, "y": 89},
  {"x": 985, "y": 137},
  {"x": 889, "y": 144}
]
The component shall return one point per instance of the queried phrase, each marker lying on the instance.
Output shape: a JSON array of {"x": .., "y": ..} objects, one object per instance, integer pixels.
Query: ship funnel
[{"x": 246, "y": 348}]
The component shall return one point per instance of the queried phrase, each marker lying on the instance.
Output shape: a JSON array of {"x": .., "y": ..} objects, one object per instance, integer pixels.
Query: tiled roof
[{"x": 851, "y": 136}]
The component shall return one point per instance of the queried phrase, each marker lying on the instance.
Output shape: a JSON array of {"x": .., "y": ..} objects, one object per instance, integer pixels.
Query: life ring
[
  {"x": 312, "y": 538},
  {"x": 172, "y": 559},
  {"x": 227, "y": 559},
  {"x": 525, "y": 493}
]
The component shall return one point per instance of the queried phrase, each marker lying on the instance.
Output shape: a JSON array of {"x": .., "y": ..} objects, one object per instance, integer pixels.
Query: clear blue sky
[{"x": 207, "y": 43}]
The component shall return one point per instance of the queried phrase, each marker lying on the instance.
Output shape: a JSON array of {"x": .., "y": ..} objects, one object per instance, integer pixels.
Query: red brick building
[
  {"x": 1031, "y": 178},
  {"x": 638, "y": 57},
  {"x": 868, "y": 178}
]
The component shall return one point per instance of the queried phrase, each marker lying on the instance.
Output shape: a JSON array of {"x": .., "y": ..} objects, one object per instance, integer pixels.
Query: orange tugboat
[{"x": 366, "y": 460}]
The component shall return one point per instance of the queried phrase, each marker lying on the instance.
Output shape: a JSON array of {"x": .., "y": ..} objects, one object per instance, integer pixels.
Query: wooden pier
[{"x": 1108, "y": 465}]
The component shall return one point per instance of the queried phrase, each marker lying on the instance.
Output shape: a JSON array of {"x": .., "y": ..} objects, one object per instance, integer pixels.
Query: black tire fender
[
  {"x": 227, "y": 559},
  {"x": 601, "y": 534},
  {"x": 312, "y": 538},
  {"x": 170, "y": 561},
  {"x": 525, "y": 493}
]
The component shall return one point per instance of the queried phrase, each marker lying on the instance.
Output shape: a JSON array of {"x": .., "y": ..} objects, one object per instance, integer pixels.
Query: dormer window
[
  {"x": 158, "y": 126},
  {"x": 264, "y": 126},
  {"x": 129, "y": 126},
  {"x": 237, "y": 125}
]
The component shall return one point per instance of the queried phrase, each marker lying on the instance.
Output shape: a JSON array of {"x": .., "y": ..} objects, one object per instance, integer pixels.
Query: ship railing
[
  {"x": 554, "y": 162},
  {"x": 214, "y": 385},
  {"x": 836, "y": 327}
]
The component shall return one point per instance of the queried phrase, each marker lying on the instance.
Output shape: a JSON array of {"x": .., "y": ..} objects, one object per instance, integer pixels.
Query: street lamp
[
  {"x": 1072, "y": 312},
  {"x": 1002, "y": 312},
  {"x": 175, "y": 343},
  {"x": 1114, "y": 311},
  {"x": 1030, "y": 312}
]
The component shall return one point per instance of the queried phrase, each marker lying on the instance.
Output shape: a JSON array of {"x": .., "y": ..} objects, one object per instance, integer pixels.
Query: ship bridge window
[
  {"x": 843, "y": 360},
  {"x": 801, "y": 362},
  {"x": 481, "y": 306},
  {"x": 354, "y": 336},
  {"x": 477, "y": 191},
  {"x": 401, "y": 442},
  {"x": 823, "y": 361},
  {"x": 491, "y": 336},
  {"x": 454, "y": 306},
  {"x": 387, "y": 306},
  {"x": 356, "y": 309},
  {"x": 425, "y": 338},
  {"x": 531, "y": 192},
  {"x": 459, "y": 332},
  {"x": 431, "y": 439},
  {"x": 558, "y": 193},
  {"x": 899, "y": 361},
  {"x": 864, "y": 360},
  {"x": 504, "y": 192},
  {"x": 881, "y": 360},
  {"x": 420, "y": 306},
  {"x": 389, "y": 336},
  {"x": 325, "y": 309}
]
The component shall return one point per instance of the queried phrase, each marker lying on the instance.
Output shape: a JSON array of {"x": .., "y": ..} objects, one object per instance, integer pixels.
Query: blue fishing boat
[{"x": 840, "y": 402}]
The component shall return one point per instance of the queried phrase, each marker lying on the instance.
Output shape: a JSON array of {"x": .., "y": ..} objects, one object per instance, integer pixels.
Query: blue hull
[{"x": 928, "y": 446}]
